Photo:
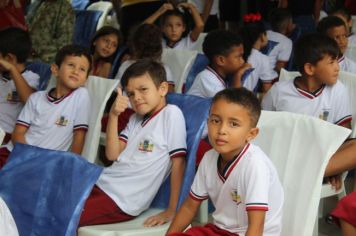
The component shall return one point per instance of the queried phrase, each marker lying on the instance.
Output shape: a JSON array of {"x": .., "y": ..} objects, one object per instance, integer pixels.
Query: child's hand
[
  {"x": 5, "y": 65},
  {"x": 186, "y": 5},
  {"x": 120, "y": 104},
  {"x": 166, "y": 7},
  {"x": 159, "y": 219},
  {"x": 335, "y": 182}
]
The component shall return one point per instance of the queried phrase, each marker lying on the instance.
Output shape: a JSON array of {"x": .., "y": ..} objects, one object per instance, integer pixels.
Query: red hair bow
[{"x": 252, "y": 17}]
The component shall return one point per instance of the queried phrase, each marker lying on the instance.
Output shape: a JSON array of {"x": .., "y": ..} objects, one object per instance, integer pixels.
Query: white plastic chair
[
  {"x": 286, "y": 75},
  {"x": 7, "y": 222},
  {"x": 198, "y": 46},
  {"x": 106, "y": 8},
  {"x": 2, "y": 135},
  {"x": 180, "y": 62},
  {"x": 100, "y": 90}
]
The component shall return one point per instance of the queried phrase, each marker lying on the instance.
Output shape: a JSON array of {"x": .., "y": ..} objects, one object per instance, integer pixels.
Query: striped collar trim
[
  {"x": 231, "y": 165},
  {"x": 216, "y": 75},
  {"x": 56, "y": 100},
  {"x": 310, "y": 95},
  {"x": 147, "y": 118},
  {"x": 341, "y": 59}
]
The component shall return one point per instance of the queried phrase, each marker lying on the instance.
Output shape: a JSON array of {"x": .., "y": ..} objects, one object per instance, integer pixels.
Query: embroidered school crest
[
  {"x": 324, "y": 115},
  {"x": 13, "y": 97},
  {"x": 145, "y": 146},
  {"x": 62, "y": 121},
  {"x": 235, "y": 196}
]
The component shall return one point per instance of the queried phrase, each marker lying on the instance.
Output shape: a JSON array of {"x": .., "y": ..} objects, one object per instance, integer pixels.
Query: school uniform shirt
[
  {"x": 10, "y": 103},
  {"x": 282, "y": 50},
  {"x": 346, "y": 64},
  {"x": 249, "y": 182},
  {"x": 52, "y": 121},
  {"x": 207, "y": 83},
  {"x": 352, "y": 40},
  {"x": 133, "y": 180},
  {"x": 185, "y": 43},
  {"x": 262, "y": 70},
  {"x": 329, "y": 103},
  {"x": 199, "y": 4},
  {"x": 128, "y": 63}
]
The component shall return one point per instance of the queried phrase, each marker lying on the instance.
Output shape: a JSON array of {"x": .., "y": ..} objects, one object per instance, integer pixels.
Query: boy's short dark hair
[
  {"x": 329, "y": 22},
  {"x": 342, "y": 11},
  {"x": 72, "y": 50},
  {"x": 15, "y": 41},
  {"x": 244, "y": 98},
  {"x": 278, "y": 18},
  {"x": 143, "y": 66},
  {"x": 220, "y": 42},
  {"x": 311, "y": 48}
]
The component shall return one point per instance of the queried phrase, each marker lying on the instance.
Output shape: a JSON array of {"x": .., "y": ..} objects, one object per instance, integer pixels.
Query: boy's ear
[
  {"x": 219, "y": 60},
  {"x": 54, "y": 69},
  {"x": 253, "y": 133},
  {"x": 309, "y": 69},
  {"x": 163, "y": 88},
  {"x": 10, "y": 58}
]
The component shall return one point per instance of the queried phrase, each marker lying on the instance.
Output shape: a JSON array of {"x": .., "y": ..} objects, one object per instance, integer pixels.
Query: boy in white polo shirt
[
  {"x": 16, "y": 83},
  {"x": 152, "y": 144},
  {"x": 317, "y": 92},
  {"x": 57, "y": 119},
  {"x": 237, "y": 176}
]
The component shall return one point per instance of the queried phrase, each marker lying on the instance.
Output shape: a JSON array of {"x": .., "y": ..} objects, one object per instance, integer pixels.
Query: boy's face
[
  {"x": 326, "y": 70},
  {"x": 339, "y": 34},
  {"x": 106, "y": 45},
  {"x": 229, "y": 128},
  {"x": 234, "y": 60},
  {"x": 173, "y": 28},
  {"x": 73, "y": 72},
  {"x": 145, "y": 96}
]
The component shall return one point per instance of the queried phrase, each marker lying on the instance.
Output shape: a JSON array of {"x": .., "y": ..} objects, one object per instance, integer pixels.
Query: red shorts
[
  {"x": 346, "y": 209},
  {"x": 4, "y": 155},
  {"x": 101, "y": 209},
  {"x": 206, "y": 230}
]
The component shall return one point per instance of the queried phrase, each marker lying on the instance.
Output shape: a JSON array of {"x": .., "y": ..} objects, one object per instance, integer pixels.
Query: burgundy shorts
[
  {"x": 4, "y": 155},
  {"x": 6, "y": 139},
  {"x": 206, "y": 230},
  {"x": 346, "y": 209}
]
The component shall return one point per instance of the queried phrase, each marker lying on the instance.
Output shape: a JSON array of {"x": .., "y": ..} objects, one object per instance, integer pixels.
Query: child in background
[
  {"x": 104, "y": 46},
  {"x": 282, "y": 25},
  {"x": 57, "y": 119},
  {"x": 16, "y": 83},
  {"x": 145, "y": 43},
  {"x": 174, "y": 26},
  {"x": 255, "y": 38},
  {"x": 152, "y": 144},
  {"x": 335, "y": 28},
  {"x": 344, "y": 14},
  {"x": 224, "y": 50},
  {"x": 236, "y": 175}
]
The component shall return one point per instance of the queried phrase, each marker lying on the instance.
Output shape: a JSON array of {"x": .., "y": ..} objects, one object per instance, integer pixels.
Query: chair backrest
[
  {"x": 287, "y": 75},
  {"x": 45, "y": 190},
  {"x": 105, "y": 7},
  {"x": 2, "y": 135},
  {"x": 195, "y": 111},
  {"x": 79, "y": 4},
  {"x": 180, "y": 62},
  {"x": 351, "y": 52},
  {"x": 300, "y": 147},
  {"x": 200, "y": 63},
  {"x": 100, "y": 90},
  {"x": 198, "y": 45},
  {"x": 116, "y": 63},
  {"x": 7, "y": 222},
  {"x": 43, "y": 70},
  {"x": 85, "y": 26}
]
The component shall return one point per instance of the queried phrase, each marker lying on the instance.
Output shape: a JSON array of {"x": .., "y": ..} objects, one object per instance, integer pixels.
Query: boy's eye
[
  {"x": 214, "y": 120},
  {"x": 234, "y": 124},
  {"x": 143, "y": 89},
  {"x": 129, "y": 94},
  {"x": 83, "y": 69}
]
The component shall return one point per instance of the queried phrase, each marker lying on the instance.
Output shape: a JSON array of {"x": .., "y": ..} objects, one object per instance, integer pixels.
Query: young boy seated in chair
[
  {"x": 237, "y": 176},
  {"x": 317, "y": 92},
  {"x": 144, "y": 153},
  {"x": 57, "y": 119}
]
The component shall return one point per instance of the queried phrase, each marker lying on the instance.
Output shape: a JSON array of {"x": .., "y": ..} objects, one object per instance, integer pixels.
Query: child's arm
[
  {"x": 206, "y": 10},
  {"x": 23, "y": 89},
  {"x": 18, "y": 135},
  {"x": 199, "y": 24},
  {"x": 236, "y": 83},
  {"x": 256, "y": 220},
  {"x": 114, "y": 146},
  {"x": 78, "y": 141},
  {"x": 184, "y": 216},
  {"x": 105, "y": 70},
  {"x": 165, "y": 7},
  {"x": 178, "y": 166}
]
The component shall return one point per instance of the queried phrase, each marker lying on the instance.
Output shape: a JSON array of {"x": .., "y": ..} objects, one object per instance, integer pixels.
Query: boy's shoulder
[{"x": 278, "y": 37}]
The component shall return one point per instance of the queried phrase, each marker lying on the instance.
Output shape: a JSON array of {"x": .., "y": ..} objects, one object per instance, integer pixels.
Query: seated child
[
  {"x": 237, "y": 176},
  {"x": 224, "y": 50},
  {"x": 254, "y": 39},
  {"x": 344, "y": 14},
  {"x": 16, "y": 83},
  {"x": 173, "y": 26},
  {"x": 103, "y": 48},
  {"x": 145, "y": 43},
  {"x": 345, "y": 214},
  {"x": 335, "y": 28},
  {"x": 142, "y": 158},
  {"x": 317, "y": 92},
  {"x": 57, "y": 119},
  {"x": 282, "y": 25}
]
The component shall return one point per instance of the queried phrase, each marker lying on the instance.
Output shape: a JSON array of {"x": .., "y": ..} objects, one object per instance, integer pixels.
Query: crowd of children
[{"x": 236, "y": 175}]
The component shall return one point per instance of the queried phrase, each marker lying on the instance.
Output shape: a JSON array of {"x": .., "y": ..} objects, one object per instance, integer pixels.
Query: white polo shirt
[
  {"x": 346, "y": 64},
  {"x": 283, "y": 49},
  {"x": 128, "y": 63},
  {"x": 329, "y": 103},
  {"x": 207, "y": 83},
  {"x": 262, "y": 70},
  {"x": 199, "y": 4},
  {"x": 51, "y": 121},
  {"x": 135, "y": 177},
  {"x": 249, "y": 182},
  {"x": 10, "y": 104},
  {"x": 185, "y": 43}
]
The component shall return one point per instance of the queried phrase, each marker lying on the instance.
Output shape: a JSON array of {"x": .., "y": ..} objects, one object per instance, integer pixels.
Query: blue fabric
[
  {"x": 80, "y": 4},
  {"x": 116, "y": 63},
  {"x": 269, "y": 47},
  {"x": 200, "y": 63},
  {"x": 45, "y": 190},
  {"x": 43, "y": 70},
  {"x": 195, "y": 110},
  {"x": 85, "y": 26}
]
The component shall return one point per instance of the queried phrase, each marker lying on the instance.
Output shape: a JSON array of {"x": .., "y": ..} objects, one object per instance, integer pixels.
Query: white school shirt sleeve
[
  {"x": 286, "y": 50},
  {"x": 268, "y": 102},
  {"x": 125, "y": 133},
  {"x": 27, "y": 114},
  {"x": 341, "y": 103},
  {"x": 176, "y": 132},
  {"x": 81, "y": 120},
  {"x": 267, "y": 74},
  {"x": 198, "y": 191},
  {"x": 203, "y": 86},
  {"x": 32, "y": 79}
]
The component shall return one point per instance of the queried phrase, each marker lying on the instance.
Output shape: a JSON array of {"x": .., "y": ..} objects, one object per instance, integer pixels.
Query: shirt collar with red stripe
[
  {"x": 149, "y": 117},
  {"x": 55, "y": 100},
  {"x": 310, "y": 95},
  {"x": 220, "y": 78}
]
